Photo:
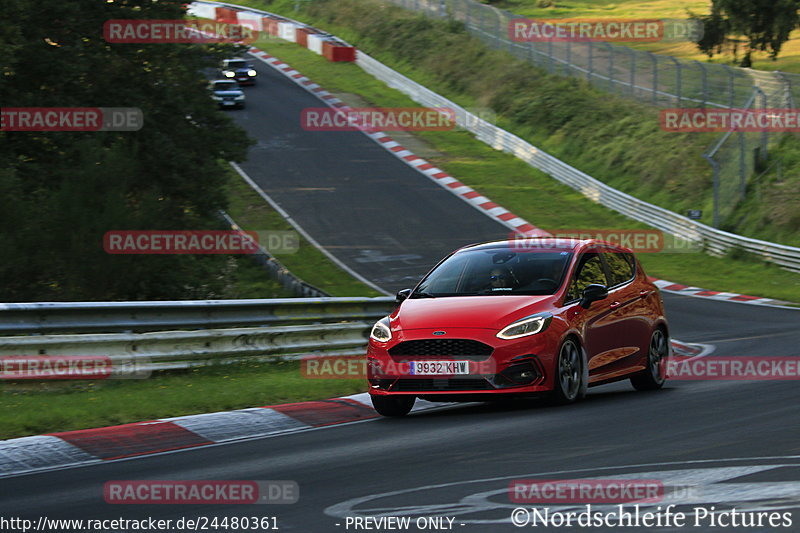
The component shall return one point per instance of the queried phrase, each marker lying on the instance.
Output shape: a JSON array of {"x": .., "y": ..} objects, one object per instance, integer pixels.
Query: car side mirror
[
  {"x": 593, "y": 293},
  {"x": 402, "y": 295}
]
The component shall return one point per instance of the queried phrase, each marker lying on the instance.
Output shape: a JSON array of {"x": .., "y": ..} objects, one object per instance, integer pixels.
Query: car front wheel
[
  {"x": 393, "y": 405},
  {"x": 569, "y": 373}
]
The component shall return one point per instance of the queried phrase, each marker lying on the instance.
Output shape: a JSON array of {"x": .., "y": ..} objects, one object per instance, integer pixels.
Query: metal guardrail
[
  {"x": 288, "y": 329},
  {"x": 136, "y": 355},
  {"x": 713, "y": 240},
  {"x": 274, "y": 267},
  {"x": 78, "y": 317}
]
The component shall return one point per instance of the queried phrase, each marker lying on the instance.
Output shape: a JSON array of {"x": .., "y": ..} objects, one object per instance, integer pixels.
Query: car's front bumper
[{"x": 514, "y": 367}]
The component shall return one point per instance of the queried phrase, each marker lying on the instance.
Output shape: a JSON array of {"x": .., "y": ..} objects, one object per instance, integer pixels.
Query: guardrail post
[
  {"x": 742, "y": 166},
  {"x": 704, "y": 83},
  {"x": 654, "y": 59},
  {"x": 610, "y": 67},
  {"x": 731, "y": 99},
  {"x": 715, "y": 170},
  {"x": 589, "y": 72},
  {"x": 764, "y": 138},
  {"x": 678, "y": 68}
]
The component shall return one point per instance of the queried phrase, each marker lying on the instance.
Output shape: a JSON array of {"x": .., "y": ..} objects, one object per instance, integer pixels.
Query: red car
[{"x": 519, "y": 318}]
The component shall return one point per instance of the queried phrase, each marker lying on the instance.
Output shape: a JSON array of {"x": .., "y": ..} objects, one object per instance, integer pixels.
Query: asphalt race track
[
  {"x": 380, "y": 216},
  {"x": 721, "y": 444}
]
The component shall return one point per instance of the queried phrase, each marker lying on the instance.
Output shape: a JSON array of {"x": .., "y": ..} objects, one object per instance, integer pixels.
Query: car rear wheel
[
  {"x": 653, "y": 377},
  {"x": 569, "y": 373},
  {"x": 393, "y": 405}
]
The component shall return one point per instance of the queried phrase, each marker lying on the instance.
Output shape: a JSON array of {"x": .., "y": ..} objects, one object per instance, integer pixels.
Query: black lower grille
[
  {"x": 461, "y": 348},
  {"x": 433, "y": 384}
]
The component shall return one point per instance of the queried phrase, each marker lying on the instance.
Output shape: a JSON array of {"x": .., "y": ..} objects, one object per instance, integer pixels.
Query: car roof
[{"x": 543, "y": 243}]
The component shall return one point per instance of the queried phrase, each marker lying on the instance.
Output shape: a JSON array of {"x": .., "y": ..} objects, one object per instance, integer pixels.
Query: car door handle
[
  {"x": 644, "y": 293},
  {"x": 614, "y": 305}
]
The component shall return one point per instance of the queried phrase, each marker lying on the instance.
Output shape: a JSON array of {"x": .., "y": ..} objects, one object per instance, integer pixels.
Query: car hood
[{"x": 489, "y": 312}]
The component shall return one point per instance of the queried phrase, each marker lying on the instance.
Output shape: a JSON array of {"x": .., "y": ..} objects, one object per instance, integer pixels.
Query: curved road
[{"x": 712, "y": 443}]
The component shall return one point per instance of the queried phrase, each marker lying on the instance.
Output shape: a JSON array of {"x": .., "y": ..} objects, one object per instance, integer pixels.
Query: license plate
[
  {"x": 227, "y": 102},
  {"x": 437, "y": 368}
]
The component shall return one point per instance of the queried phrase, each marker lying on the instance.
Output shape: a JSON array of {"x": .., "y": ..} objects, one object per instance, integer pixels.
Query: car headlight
[
  {"x": 381, "y": 331},
  {"x": 529, "y": 325},
  {"x": 229, "y": 74},
  {"x": 251, "y": 72},
  {"x": 239, "y": 97},
  {"x": 216, "y": 98}
]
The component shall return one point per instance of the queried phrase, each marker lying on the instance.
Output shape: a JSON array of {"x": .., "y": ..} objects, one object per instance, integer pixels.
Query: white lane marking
[
  {"x": 305, "y": 234},
  {"x": 708, "y": 485}
]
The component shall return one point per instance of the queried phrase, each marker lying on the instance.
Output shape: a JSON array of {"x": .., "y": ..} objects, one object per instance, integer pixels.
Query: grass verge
[
  {"x": 81, "y": 405},
  {"x": 252, "y": 213}
]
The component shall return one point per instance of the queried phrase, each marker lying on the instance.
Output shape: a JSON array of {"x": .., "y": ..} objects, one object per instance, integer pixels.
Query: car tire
[
  {"x": 393, "y": 405},
  {"x": 569, "y": 374},
  {"x": 653, "y": 377}
]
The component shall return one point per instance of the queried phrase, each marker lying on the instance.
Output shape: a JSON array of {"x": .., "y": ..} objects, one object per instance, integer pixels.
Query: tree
[
  {"x": 765, "y": 24},
  {"x": 61, "y": 191}
]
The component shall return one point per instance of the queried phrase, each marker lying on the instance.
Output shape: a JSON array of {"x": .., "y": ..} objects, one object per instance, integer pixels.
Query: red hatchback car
[{"x": 517, "y": 318}]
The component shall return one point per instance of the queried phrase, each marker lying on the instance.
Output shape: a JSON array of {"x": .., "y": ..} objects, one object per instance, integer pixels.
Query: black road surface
[
  {"x": 380, "y": 216},
  {"x": 715, "y": 445}
]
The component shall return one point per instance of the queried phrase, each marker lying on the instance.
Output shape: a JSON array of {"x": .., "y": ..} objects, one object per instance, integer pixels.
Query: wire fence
[{"x": 660, "y": 80}]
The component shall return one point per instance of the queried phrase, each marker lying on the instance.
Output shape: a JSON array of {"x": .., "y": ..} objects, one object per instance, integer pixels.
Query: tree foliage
[
  {"x": 764, "y": 24},
  {"x": 61, "y": 191}
]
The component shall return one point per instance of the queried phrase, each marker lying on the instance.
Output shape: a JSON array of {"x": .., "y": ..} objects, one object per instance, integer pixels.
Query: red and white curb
[
  {"x": 91, "y": 446},
  {"x": 437, "y": 175},
  {"x": 686, "y": 290}
]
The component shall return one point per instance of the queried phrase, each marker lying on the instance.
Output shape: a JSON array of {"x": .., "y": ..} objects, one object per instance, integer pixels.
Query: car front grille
[
  {"x": 461, "y": 348},
  {"x": 435, "y": 384}
]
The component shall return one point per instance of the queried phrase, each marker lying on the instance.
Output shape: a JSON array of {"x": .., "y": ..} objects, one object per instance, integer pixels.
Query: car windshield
[
  {"x": 236, "y": 64},
  {"x": 496, "y": 271},
  {"x": 226, "y": 86}
]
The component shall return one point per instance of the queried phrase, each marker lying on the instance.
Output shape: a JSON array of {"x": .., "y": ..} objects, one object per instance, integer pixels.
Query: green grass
[
  {"x": 530, "y": 193},
  {"x": 787, "y": 61},
  {"x": 28, "y": 408},
  {"x": 252, "y": 213}
]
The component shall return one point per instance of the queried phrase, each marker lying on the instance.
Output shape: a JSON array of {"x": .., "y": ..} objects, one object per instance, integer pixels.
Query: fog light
[{"x": 524, "y": 370}]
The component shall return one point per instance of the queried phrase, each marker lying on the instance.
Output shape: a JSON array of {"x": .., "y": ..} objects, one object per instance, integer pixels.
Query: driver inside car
[{"x": 502, "y": 278}]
